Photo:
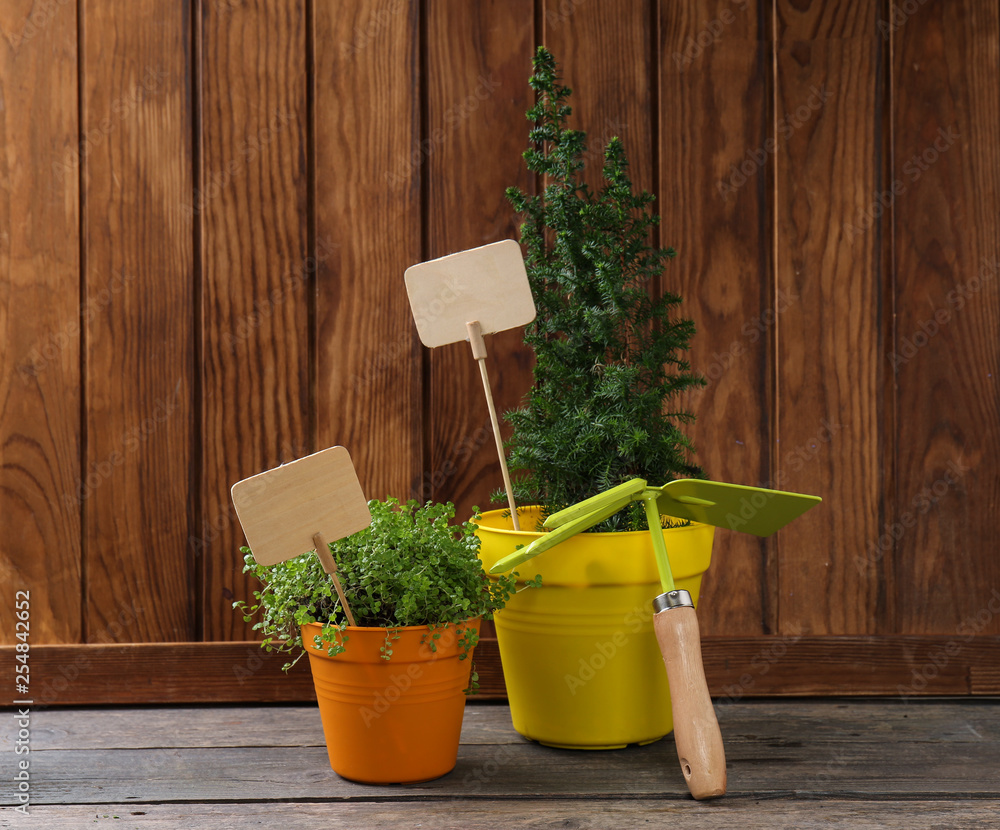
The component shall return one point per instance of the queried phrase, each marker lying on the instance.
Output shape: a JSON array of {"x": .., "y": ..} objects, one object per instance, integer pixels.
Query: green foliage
[
  {"x": 409, "y": 567},
  {"x": 609, "y": 352}
]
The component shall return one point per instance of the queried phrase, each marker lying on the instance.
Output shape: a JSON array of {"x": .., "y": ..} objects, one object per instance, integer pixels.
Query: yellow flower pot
[{"x": 580, "y": 659}]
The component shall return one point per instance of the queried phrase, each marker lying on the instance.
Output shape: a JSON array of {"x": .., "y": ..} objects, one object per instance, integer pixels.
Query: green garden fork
[{"x": 748, "y": 509}]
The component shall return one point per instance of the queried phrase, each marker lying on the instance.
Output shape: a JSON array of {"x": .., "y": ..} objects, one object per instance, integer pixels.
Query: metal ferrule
[{"x": 672, "y": 599}]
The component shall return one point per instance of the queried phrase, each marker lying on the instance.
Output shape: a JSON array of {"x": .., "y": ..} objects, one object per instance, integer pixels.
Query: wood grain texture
[
  {"x": 825, "y": 722},
  {"x": 269, "y": 774},
  {"x": 605, "y": 53},
  {"x": 40, "y": 323},
  {"x": 368, "y": 179},
  {"x": 790, "y": 813},
  {"x": 830, "y": 378},
  {"x": 736, "y": 668},
  {"x": 714, "y": 175},
  {"x": 872, "y": 752},
  {"x": 161, "y": 673},
  {"x": 137, "y": 115},
  {"x": 945, "y": 359},
  {"x": 190, "y": 672},
  {"x": 247, "y": 726},
  {"x": 478, "y": 63},
  {"x": 225, "y": 292},
  {"x": 909, "y": 667},
  {"x": 190, "y": 726},
  {"x": 256, "y": 275}
]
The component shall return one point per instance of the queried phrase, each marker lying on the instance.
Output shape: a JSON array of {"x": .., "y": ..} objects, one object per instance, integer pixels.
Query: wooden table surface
[{"x": 848, "y": 763}]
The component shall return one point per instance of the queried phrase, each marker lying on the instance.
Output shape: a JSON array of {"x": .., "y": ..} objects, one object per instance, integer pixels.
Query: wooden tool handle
[{"x": 696, "y": 729}]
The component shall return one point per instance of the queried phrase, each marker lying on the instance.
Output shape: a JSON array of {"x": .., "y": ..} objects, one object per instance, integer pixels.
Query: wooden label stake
[
  {"x": 479, "y": 353},
  {"x": 330, "y": 566}
]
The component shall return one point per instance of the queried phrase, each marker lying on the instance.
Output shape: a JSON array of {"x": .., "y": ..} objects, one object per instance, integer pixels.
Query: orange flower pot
[{"x": 397, "y": 721}]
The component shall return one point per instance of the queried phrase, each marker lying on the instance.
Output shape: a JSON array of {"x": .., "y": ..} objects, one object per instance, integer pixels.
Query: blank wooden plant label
[
  {"x": 281, "y": 510},
  {"x": 488, "y": 284}
]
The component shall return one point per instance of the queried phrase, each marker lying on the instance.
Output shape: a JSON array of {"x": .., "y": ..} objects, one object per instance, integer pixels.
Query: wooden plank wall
[{"x": 206, "y": 211}]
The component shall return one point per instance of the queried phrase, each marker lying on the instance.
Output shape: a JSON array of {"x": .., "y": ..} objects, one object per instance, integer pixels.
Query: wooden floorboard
[
  {"x": 791, "y": 763},
  {"x": 735, "y": 814}
]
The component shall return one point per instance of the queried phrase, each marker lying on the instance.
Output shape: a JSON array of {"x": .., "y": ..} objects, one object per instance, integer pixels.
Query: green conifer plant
[{"x": 610, "y": 350}]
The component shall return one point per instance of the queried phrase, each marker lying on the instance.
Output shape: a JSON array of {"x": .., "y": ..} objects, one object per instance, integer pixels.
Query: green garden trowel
[{"x": 747, "y": 509}]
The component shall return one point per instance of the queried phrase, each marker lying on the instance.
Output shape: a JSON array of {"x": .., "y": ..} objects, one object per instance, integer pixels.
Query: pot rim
[
  {"x": 598, "y": 559},
  {"x": 467, "y": 623},
  {"x": 529, "y": 510},
  {"x": 409, "y": 646}
]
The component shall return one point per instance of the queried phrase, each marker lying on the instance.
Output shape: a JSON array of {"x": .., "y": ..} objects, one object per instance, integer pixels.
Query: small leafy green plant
[
  {"x": 409, "y": 567},
  {"x": 609, "y": 349}
]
